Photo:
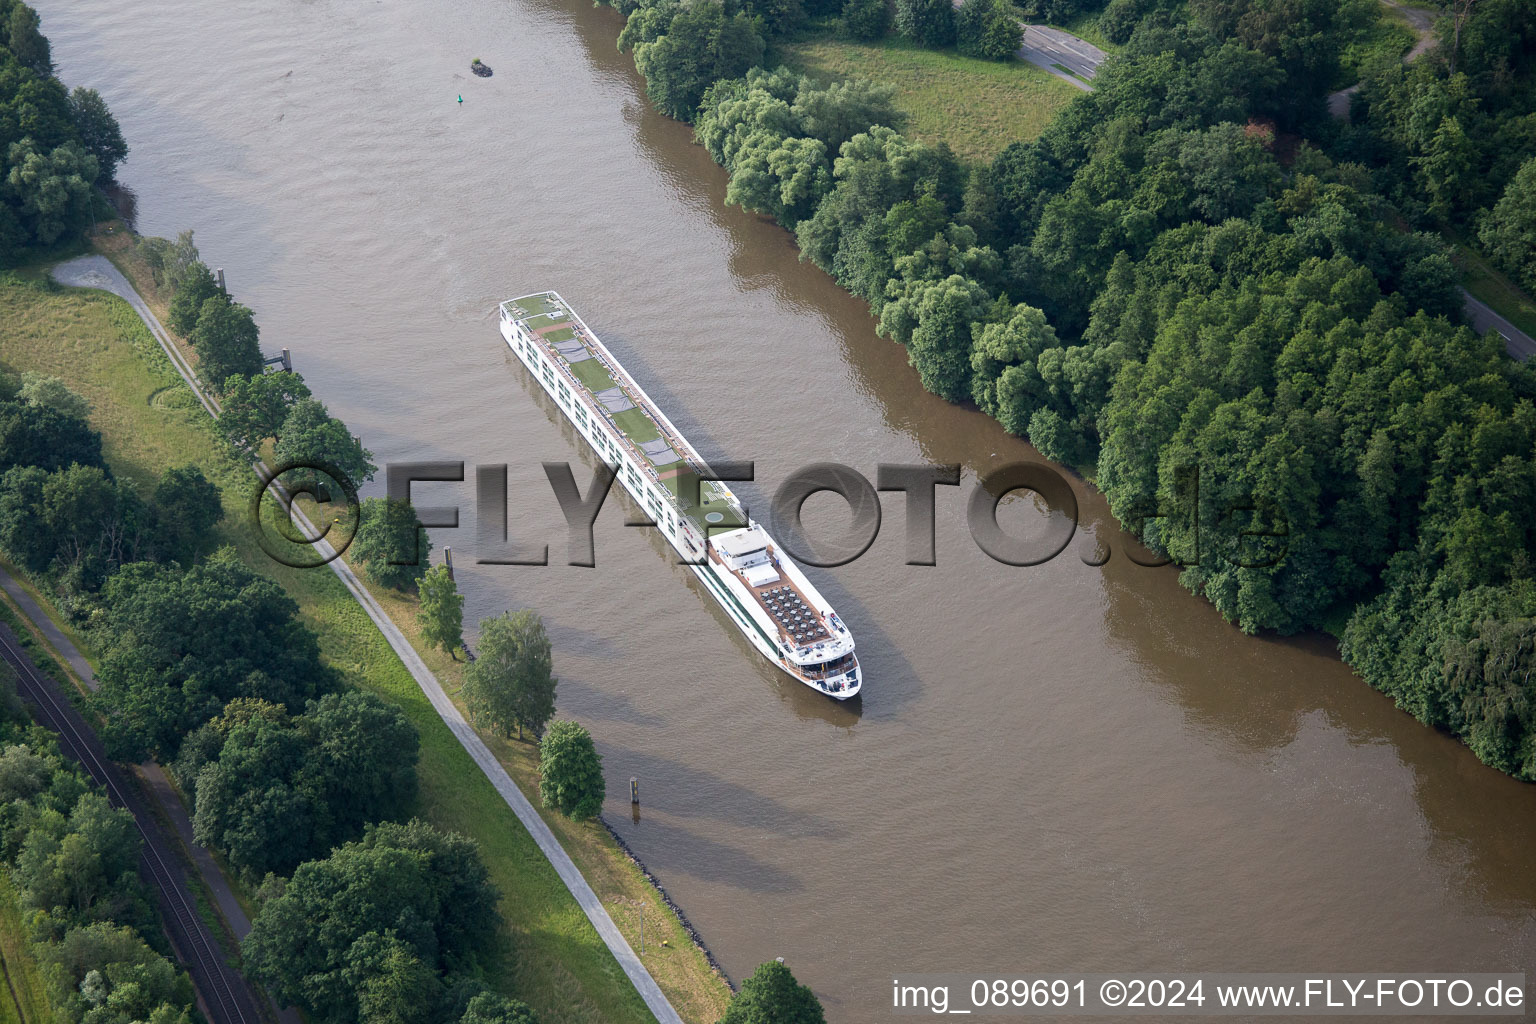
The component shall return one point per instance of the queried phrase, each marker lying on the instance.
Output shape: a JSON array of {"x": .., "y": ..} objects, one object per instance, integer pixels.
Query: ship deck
[{"x": 607, "y": 390}]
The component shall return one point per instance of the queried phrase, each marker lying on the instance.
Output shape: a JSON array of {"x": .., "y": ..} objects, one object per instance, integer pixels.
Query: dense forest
[{"x": 1240, "y": 315}]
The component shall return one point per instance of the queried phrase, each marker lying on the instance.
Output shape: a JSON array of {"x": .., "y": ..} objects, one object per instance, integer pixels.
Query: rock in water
[{"x": 483, "y": 70}]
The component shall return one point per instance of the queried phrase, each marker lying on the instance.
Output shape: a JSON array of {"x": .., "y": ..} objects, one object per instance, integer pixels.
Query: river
[{"x": 1057, "y": 768}]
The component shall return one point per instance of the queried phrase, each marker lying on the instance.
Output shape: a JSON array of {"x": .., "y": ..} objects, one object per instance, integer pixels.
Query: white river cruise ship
[{"x": 761, "y": 589}]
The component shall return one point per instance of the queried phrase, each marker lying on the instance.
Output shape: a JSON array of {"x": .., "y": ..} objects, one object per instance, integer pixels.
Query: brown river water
[{"x": 1058, "y": 768}]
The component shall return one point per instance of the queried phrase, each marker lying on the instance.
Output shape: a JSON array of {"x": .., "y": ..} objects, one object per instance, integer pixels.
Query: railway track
[{"x": 227, "y": 998}]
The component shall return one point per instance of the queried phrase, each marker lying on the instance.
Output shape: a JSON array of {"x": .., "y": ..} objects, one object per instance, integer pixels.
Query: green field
[
  {"x": 23, "y": 999},
  {"x": 977, "y": 106},
  {"x": 548, "y": 953}
]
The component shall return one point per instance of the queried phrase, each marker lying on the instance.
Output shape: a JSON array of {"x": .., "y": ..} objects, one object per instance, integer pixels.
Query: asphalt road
[
  {"x": 1517, "y": 343},
  {"x": 1053, "y": 49},
  {"x": 1061, "y": 53},
  {"x": 223, "y": 995}
]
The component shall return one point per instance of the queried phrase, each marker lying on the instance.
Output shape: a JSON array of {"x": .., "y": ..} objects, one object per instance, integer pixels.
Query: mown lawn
[
  {"x": 977, "y": 106},
  {"x": 548, "y": 954}
]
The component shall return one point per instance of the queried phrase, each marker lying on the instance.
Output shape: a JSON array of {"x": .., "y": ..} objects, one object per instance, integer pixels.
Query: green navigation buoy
[{"x": 461, "y": 99}]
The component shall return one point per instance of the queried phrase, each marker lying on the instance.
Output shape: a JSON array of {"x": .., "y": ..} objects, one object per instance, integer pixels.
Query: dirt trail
[{"x": 1423, "y": 24}]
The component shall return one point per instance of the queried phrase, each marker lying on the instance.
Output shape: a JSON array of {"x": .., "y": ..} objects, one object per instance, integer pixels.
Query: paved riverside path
[{"x": 98, "y": 272}]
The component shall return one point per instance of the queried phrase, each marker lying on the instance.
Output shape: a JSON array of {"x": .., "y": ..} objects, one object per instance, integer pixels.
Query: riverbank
[{"x": 549, "y": 954}]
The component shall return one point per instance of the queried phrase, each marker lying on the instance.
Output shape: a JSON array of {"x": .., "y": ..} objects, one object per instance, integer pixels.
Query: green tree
[
  {"x": 99, "y": 131},
  {"x": 91, "y": 518},
  {"x": 106, "y": 973},
  {"x": 773, "y": 996},
  {"x": 782, "y": 177},
  {"x": 427, "y": 887},
  {"x": 196, "y": 287},
  {"x": 930, "y": 23},
  {"x": 682, "y": 48},
  {"x": 50, "y": 189},
  {"x": 989, "y": 29},
  {"x": 390, "y": 543},
  {"x": 360, "y": 763},
  {"x": 510, "y": 683},
  {"x": 52, "y": 393},
  {"x": 227, "y": 342},
  {"x": 23, "y": 533},
  {"x": 188, "y": 641},
  {"x": 1445, "y": 169},
  {"x": 185, "y": 508},
  {"x": 442, "y": 611},
  {"x": 311, "y": 436},
  {"x": 392, "y": 983},
  {"x": 865, "y": 19},
  {"x": 493, "y": 1008},
  {"x": 1509, "y": 230},
  {"x": 933, "y": 319},
  {"x": 24, "y": 36},
  {"x": 836, "y": 112},
  {"x": 171, "y": 262},
  {"x": 36, "y": 435},
  {"x": 1494, "y": 676},
  {"x": 81, "y": 868},
  {"x": 1006, "y": 380},
  {"x": 571, "y": 771},
  {"x": 253, "y": 408},
  {"x": 249, "y": 807}
]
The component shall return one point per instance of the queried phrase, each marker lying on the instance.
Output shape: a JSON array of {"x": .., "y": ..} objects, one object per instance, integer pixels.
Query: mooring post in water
[
  {"x": 448, "y": 560},
  {"x": 220, "y": 273},
  {"x": 634, "y": 790},
  {"x": 287, "y": 361}
]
